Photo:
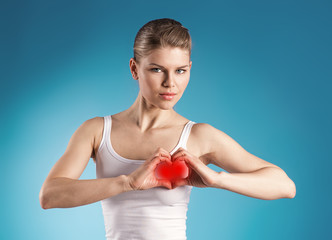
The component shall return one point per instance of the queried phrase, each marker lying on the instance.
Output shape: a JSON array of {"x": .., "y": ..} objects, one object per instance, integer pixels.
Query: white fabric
[{"x": 156, "y": 213}]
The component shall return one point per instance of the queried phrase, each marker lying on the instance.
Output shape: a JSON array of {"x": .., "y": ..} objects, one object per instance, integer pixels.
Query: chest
[{"x": 131, "y": 144}]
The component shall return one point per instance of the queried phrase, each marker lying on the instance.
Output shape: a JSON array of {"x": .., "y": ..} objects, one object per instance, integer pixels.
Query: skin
[
  {"x": 150, "y": 110},
  {"x": 244, "y": 173},
  {"x": 165, "y": 69},
  {"x": 247, "y": 174}
]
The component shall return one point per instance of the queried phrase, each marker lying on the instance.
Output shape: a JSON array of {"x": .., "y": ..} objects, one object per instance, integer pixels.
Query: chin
[{"x": 166, "y": 108}]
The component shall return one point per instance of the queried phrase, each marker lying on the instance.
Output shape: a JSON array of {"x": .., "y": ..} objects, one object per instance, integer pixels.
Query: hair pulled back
[{"x": 164, "y": 32}]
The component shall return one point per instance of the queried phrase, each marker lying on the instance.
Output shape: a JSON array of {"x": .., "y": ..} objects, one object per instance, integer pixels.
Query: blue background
[{"x": 261, "y": 73}]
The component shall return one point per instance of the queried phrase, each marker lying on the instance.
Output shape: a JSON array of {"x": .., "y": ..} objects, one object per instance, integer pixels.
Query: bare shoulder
[
  {"x": 96, "y": 126},
  {"x": 210, "y": 140},
  {"x": 201, "y": 135},
  {"x": 209, "y": 133}
]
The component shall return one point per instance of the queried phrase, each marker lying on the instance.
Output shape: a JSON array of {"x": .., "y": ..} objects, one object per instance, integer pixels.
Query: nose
[{"x": 169, "y": 80}]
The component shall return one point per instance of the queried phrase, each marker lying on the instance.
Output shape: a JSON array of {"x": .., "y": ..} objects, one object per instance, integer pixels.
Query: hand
[
  {"x": 144, "y": 177},
  {"x": 199, "y": 174}
]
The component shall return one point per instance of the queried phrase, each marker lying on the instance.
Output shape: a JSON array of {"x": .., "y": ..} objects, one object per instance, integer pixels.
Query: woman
[{"x": 139, "y": 201}]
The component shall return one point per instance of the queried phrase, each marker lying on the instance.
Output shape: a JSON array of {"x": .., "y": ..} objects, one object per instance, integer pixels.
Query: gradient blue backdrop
[{"x": 261, "y": 73}]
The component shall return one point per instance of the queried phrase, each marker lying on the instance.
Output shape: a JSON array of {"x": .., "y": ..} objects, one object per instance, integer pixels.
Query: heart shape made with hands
[{"x": 172, "y": 171}]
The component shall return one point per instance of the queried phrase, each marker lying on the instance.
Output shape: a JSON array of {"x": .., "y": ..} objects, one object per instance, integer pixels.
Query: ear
[
  {"x": 133, "y": 68},
  {"x": 190, "y": 63}
]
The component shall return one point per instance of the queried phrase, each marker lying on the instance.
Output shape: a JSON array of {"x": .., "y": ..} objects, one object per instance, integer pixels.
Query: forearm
[
  {"x": 65, "y": 192},
  {"x": 267, "y": 183}
]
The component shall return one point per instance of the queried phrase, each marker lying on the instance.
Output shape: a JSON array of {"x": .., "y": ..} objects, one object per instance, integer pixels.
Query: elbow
[
  {"x": 291, "y": 190},
  {"x": 43, "y": 200}
]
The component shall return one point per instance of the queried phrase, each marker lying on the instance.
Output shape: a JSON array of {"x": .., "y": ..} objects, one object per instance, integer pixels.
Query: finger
[
  {"x": 195, "y": 165},
  {"x": 164, "y": 159},
  {"x": 156, "y": 155},
  {"x": 191, "y": 161},
  {"x": 180, "y": 155},
  {"x": 179, "y": 150},
  {"x": 165, "y": 183},
  {"x": 157, "y": 160},
  {"x": 183, "y": 156},
  {"x": 163, "y": 153},
  {"x": 204, "y": 172},
  {"x": 180, "y": 182}
]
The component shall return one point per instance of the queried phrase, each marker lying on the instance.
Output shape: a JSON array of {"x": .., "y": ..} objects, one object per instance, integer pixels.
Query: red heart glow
[{"x": 176, "y": 170}]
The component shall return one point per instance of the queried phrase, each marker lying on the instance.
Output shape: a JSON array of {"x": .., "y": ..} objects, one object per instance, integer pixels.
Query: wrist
[
  {"x": 125, "y": 183},
  {"x": 221, "y": 180}
]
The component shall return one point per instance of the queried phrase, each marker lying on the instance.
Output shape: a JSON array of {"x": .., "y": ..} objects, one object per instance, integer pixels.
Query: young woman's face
[{"x": 164, "y": 70}]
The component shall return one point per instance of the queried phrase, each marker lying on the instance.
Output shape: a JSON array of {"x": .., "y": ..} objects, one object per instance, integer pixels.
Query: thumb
[
  {"x": 180, "y": 182},
  {"x": 165, "y": 183}
]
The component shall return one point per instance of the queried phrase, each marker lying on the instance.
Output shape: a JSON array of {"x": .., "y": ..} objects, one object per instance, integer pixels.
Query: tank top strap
[
  {"x": 185, "y": 134},
  {"x": 106, "y": 131}
]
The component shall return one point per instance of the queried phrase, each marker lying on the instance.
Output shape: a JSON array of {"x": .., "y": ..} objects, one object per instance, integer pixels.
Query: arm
[
  {"x": 267, "y": 183},
  {"x": 64, "y": 192},
  {"x": 62, "y": 189},
  {"x": 246, "y": 173}
]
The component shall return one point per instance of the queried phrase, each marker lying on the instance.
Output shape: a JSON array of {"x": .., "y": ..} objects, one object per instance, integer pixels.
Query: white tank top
[{"x": 155, "y": 213}]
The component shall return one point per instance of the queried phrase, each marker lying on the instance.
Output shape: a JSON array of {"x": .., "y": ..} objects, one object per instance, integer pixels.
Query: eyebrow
[{"x": 163, "y": 67}]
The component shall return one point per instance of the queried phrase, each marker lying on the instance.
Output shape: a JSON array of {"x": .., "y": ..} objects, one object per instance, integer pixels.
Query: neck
[{"x": 147, "y": 116}]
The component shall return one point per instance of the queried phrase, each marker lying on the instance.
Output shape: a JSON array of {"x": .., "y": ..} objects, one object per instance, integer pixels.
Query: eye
[
  {"x": 183, "y": 71},
  {"x": 155, "y": 69}
]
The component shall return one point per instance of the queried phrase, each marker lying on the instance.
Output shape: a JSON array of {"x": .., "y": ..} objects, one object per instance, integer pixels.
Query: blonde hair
[{"x": 164, "y": 32}]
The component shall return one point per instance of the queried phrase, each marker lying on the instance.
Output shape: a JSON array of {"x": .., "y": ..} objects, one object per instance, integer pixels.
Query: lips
[{"x": 167, "y": 96}]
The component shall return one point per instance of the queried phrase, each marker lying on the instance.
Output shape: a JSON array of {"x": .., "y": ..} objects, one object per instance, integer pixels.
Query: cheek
[
  {"x": 184, "y": 83},
  {"x": 149, "y": 87}
]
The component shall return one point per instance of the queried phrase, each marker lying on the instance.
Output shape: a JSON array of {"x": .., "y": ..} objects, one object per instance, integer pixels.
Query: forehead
[{"x": 168, "y": 56}]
